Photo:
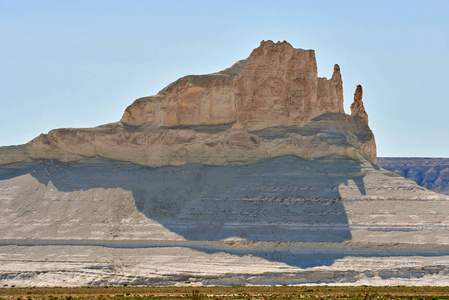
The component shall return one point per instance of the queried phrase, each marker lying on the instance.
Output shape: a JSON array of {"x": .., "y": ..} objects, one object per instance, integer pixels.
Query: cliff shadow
[{"x": 284, "y": 199}]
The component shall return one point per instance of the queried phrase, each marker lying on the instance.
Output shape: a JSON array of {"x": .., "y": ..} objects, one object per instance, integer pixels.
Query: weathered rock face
[
  {"x": 270, "y": 104},
  {"x": 431, "y": 173},
  {"x": 276, "y": 86},
  {"x": 357, "y": 107},
  {"x": 206, "y": 214},
  {"x": 283, "y": 220}
]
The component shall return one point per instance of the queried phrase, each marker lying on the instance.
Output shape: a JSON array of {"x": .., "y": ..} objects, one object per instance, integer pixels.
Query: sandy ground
[{"x": 285, "y": 220}]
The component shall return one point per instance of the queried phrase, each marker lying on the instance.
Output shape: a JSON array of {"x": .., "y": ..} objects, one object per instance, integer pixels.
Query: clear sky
[{"x": 81, "y": 63}]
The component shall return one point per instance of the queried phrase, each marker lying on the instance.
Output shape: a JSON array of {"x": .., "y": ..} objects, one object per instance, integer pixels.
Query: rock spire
[{"x": 357, "y": 107}]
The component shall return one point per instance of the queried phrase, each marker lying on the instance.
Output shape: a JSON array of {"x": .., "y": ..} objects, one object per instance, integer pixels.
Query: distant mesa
[
  {"x": 431, "y": 173},
  {"x": 271, "y": 104}
]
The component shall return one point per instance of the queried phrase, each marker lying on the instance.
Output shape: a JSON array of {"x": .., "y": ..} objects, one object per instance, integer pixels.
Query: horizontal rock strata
[
  {"x": 431, "y": 173},
  {"x": 252, "y": 175},
  {"x": 327, "y": 134},
  {"x": 268, "y": 105},
  {"x": 277, "y": 85},
  {"x": 284, "y": 220}
]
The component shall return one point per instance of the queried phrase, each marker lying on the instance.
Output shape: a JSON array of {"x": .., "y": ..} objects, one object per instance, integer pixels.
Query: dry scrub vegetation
[{"x": 247, "y": 292}]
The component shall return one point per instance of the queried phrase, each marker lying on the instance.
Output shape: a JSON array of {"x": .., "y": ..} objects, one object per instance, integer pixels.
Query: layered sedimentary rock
[
  {"x": 277, "y": 85},
  {"x": 431, "y": 173},
  {"x": 252, "y": 175},
  {"x": 281, "y": 221},
  {"x": 268, "y": 105}
]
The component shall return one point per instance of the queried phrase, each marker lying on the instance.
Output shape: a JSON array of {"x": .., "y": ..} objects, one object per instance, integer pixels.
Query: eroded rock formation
[
  {"x": 431, "y": 173},
  {"x": 357, "y": 107},
  {"x": 268, "y": 105},
  {"x": 276, "y": 86},
  {"x": 331, "y": 218}
]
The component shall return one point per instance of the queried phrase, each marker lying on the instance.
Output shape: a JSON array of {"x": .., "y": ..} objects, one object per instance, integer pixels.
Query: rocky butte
[
  {"x": 252, "y": 175},
  {"x": 271, "y": 104}
]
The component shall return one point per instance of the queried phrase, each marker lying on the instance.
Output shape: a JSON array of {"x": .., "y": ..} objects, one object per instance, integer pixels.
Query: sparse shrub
[{"x": 196, "y": 295}]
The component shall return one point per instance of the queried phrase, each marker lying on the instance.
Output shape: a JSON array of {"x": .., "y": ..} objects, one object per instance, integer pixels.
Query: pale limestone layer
[
  {"x": 284, "y": 199},
  {"x": 284, "y": 220},
  {"x": 268, "y": 105},
  {"x": 328, "y": 134}
]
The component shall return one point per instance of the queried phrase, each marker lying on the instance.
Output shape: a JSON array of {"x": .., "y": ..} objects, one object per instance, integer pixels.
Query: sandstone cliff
[
  {"x": 268, "y": 105},
  {"x": 276, "y": 86}
]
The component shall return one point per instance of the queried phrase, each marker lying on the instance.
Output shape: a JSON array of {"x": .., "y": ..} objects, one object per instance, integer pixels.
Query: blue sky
[{"x": 81, "y": 63}]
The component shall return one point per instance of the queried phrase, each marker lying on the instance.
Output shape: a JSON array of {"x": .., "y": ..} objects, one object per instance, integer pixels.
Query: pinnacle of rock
[
  {"x": 358, "y": 94},
  {"x": 357, "y": 108}
]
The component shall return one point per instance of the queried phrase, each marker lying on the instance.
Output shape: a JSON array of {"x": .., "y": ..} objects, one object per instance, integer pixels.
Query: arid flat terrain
[{"x": 239, "y": 292}]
